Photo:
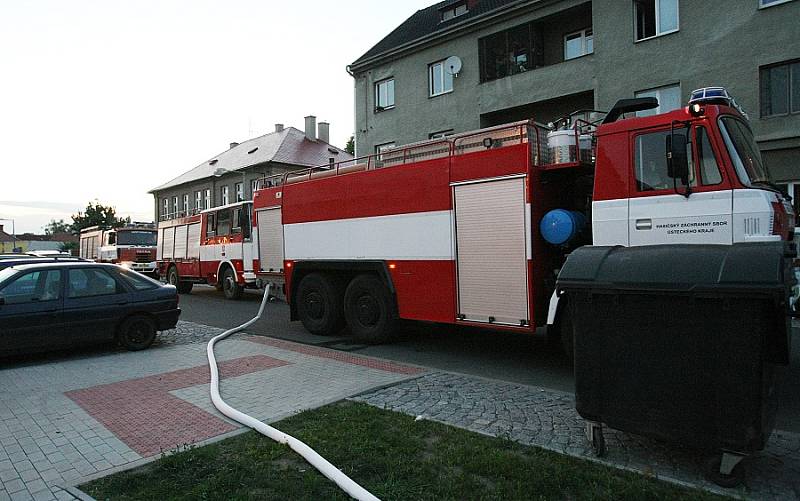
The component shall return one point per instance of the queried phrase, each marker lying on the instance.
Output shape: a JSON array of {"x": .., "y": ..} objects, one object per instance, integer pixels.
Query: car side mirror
[
  {"x": 2, "y": 300},
  {"x": 677, "y": 158}
]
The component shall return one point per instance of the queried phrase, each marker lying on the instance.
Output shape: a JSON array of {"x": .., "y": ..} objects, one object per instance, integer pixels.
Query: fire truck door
[
  {"x": 491, "y": 255},
  {"x": 270, "y": 239},
  {"x": 658, "y": 215}
]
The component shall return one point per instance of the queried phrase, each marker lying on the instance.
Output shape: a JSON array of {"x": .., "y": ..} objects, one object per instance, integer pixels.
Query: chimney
[
  {"x": 278, "y": 127},
  {"x": 311, "y": 127},
  {"x": 234, "y": 145},
  {"x": 324, "y": 132}
]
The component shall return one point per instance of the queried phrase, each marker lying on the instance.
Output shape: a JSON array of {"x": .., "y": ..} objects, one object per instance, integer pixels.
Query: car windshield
[
  {"x": 744, "y": 152},
  {"x": 136, "y": 238}
]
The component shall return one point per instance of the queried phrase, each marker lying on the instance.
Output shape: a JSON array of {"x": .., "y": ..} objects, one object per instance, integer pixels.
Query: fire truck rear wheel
[
  {"x": 319, "y": 304},
  {"x": 368, "y": 309},
  {"x": 174, "y": 279},
  {"x": 230, "y": 287}
]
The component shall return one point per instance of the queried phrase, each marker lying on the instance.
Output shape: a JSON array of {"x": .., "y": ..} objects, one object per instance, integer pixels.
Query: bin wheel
[
  {"x": 598, "y": 441},
  {"x": 734, "y": 479}
]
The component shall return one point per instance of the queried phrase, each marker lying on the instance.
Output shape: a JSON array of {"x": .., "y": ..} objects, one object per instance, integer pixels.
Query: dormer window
[{"x": 454, "y": 10}]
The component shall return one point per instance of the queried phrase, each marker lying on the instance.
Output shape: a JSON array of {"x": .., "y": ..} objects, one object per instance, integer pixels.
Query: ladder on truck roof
[{"x": 526, "y": 131}]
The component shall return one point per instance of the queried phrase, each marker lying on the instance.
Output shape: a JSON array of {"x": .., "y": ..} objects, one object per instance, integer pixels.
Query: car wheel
[
  {"x": 230, "y": 287},
  {"x": 137, "y": 333},
  {"x": 368, "y": 309},
  {"x": 319, "y": 305}
]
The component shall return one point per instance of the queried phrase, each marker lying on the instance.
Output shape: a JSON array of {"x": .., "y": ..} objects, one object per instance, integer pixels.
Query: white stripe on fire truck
[{"x": 414, "y": 236}]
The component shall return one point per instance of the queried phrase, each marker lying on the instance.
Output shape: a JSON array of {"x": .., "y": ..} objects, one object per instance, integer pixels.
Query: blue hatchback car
[{"x": 44, "y": 306}]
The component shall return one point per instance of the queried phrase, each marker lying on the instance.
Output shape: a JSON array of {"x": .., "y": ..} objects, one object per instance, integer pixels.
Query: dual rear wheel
[{"x": 325, "y": 304}]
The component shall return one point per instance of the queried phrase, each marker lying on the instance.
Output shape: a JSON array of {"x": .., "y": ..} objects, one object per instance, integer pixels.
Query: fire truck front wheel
[
  {"x": 368, "y": 309},
  {"x": 230, "y": 287},
  {"x": 319, "y": 304}
]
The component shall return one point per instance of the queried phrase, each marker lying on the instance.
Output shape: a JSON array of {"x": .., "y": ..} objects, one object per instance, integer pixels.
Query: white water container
[{"x": 562, "y": 146}]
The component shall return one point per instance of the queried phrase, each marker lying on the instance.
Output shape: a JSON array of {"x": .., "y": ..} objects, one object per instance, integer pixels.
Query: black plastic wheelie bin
[{"x": 680, "y": 343}]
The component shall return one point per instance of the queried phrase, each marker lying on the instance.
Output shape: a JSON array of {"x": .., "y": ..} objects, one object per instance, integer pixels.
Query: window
[
  {"x": 211, "y": 226},
  {"x": 198, "y": 200},
  {"x": 224, "y": 222},
  {"x": 441, "y": 134},
  {"x": 780, "y": 89},
  {"x": 165, "y": 208},
  {"x": 452, "y": 11},
  {"x": 578, "y": 44},
  {"x": 207, "y": 200},
  {"x": 743, "y": 150},
  {"x": 137, "y": 281},
  {"x": 380, "y": 148},
  {"x": 770, "y": 3},
  {"x": 185, "y": 204},
  {"x": 709, "y": 169},
  {"x": 253, "y": 187},
  {"x": 175, "y": 206},
  {"x": 36, "y": 286},
  {"x": 669, "y": 98},
  {"x": 239, "y": 187},
  {"x": 507, "y": 52},
  {"x": 384, "y": 95},
  {"x": 655, "y": 17},
  {"x": 651, "y": 162},
  {"x": 241, "y": 221},
  {"x": 224, "y": 193},
  {"x": 91, "y": 282},
  {"x": 439, "y": 81}
]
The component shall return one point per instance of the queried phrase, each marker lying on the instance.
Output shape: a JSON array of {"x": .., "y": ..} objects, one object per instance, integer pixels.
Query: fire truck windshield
[
  {"x": 147, "y": 238},
  {"x": 744, "y": 151}
]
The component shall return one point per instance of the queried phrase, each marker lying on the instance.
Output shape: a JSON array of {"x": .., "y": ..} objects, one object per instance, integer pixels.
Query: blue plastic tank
[{"x": 559, "y": 226}]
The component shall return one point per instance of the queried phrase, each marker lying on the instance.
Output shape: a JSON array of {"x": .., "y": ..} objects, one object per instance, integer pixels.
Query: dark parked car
[{"x": 51, "y": 305}]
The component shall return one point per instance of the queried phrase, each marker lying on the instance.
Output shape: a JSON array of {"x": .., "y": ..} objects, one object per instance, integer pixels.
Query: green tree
[
  {"x": 71, "y": 247},
  {"x": 350, "y": 147},
  {"x": 96, "y": 214},
  {"x": 54, "y": 227}
]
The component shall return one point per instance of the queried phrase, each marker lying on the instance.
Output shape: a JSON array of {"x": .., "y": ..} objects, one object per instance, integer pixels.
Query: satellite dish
[{"x": 452, "y": 65}]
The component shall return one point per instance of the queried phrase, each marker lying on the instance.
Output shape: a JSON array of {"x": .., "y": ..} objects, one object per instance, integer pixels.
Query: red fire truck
[
  {"x": 214, "y": 246},
  {"x": 473, "y": 229},
  {"x": 132, "y": 246}
]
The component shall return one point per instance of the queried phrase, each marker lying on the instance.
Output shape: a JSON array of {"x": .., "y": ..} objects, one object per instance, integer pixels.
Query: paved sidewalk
[
  {"x": 68, "y": 418},
  {"x": 546, "y": 418}
]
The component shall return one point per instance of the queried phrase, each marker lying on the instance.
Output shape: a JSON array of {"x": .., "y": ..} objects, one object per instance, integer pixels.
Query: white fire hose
[{"x": 343, "y": 481}]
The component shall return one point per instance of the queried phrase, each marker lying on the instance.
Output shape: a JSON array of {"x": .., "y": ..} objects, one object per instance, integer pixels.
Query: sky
[{"x": 106, "y": 99}]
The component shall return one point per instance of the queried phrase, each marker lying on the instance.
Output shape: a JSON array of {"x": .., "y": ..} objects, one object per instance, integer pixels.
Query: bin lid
[{"x": 745, "y": 266}]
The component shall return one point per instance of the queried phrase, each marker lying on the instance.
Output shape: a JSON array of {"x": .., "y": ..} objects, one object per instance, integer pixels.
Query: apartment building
[{"x": 544, "y": 59}]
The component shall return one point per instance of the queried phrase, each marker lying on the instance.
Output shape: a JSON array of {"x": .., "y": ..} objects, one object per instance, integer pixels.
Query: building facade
[
  {"x": 231, "y": 175},
  {"x": 544, "y": 59}
]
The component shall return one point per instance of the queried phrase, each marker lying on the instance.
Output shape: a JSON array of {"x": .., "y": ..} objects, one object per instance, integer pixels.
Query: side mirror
[
  {"x": 677, "y": 158},
  {"x": 2, "y": 300}
]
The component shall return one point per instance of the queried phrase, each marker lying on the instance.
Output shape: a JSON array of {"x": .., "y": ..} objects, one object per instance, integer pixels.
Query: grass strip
[{"x": 388, "y": 453}]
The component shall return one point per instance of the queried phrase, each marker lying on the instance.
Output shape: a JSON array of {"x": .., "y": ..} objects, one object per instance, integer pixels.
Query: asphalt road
[{"x": 516, "y": 358}]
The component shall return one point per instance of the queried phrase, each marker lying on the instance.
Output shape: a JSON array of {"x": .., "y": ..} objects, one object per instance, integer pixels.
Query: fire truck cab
[{"x": 132, "y": 246}]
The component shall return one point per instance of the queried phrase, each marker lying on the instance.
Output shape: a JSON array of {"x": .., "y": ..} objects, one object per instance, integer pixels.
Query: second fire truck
[{"x": 132, "y": 246}]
